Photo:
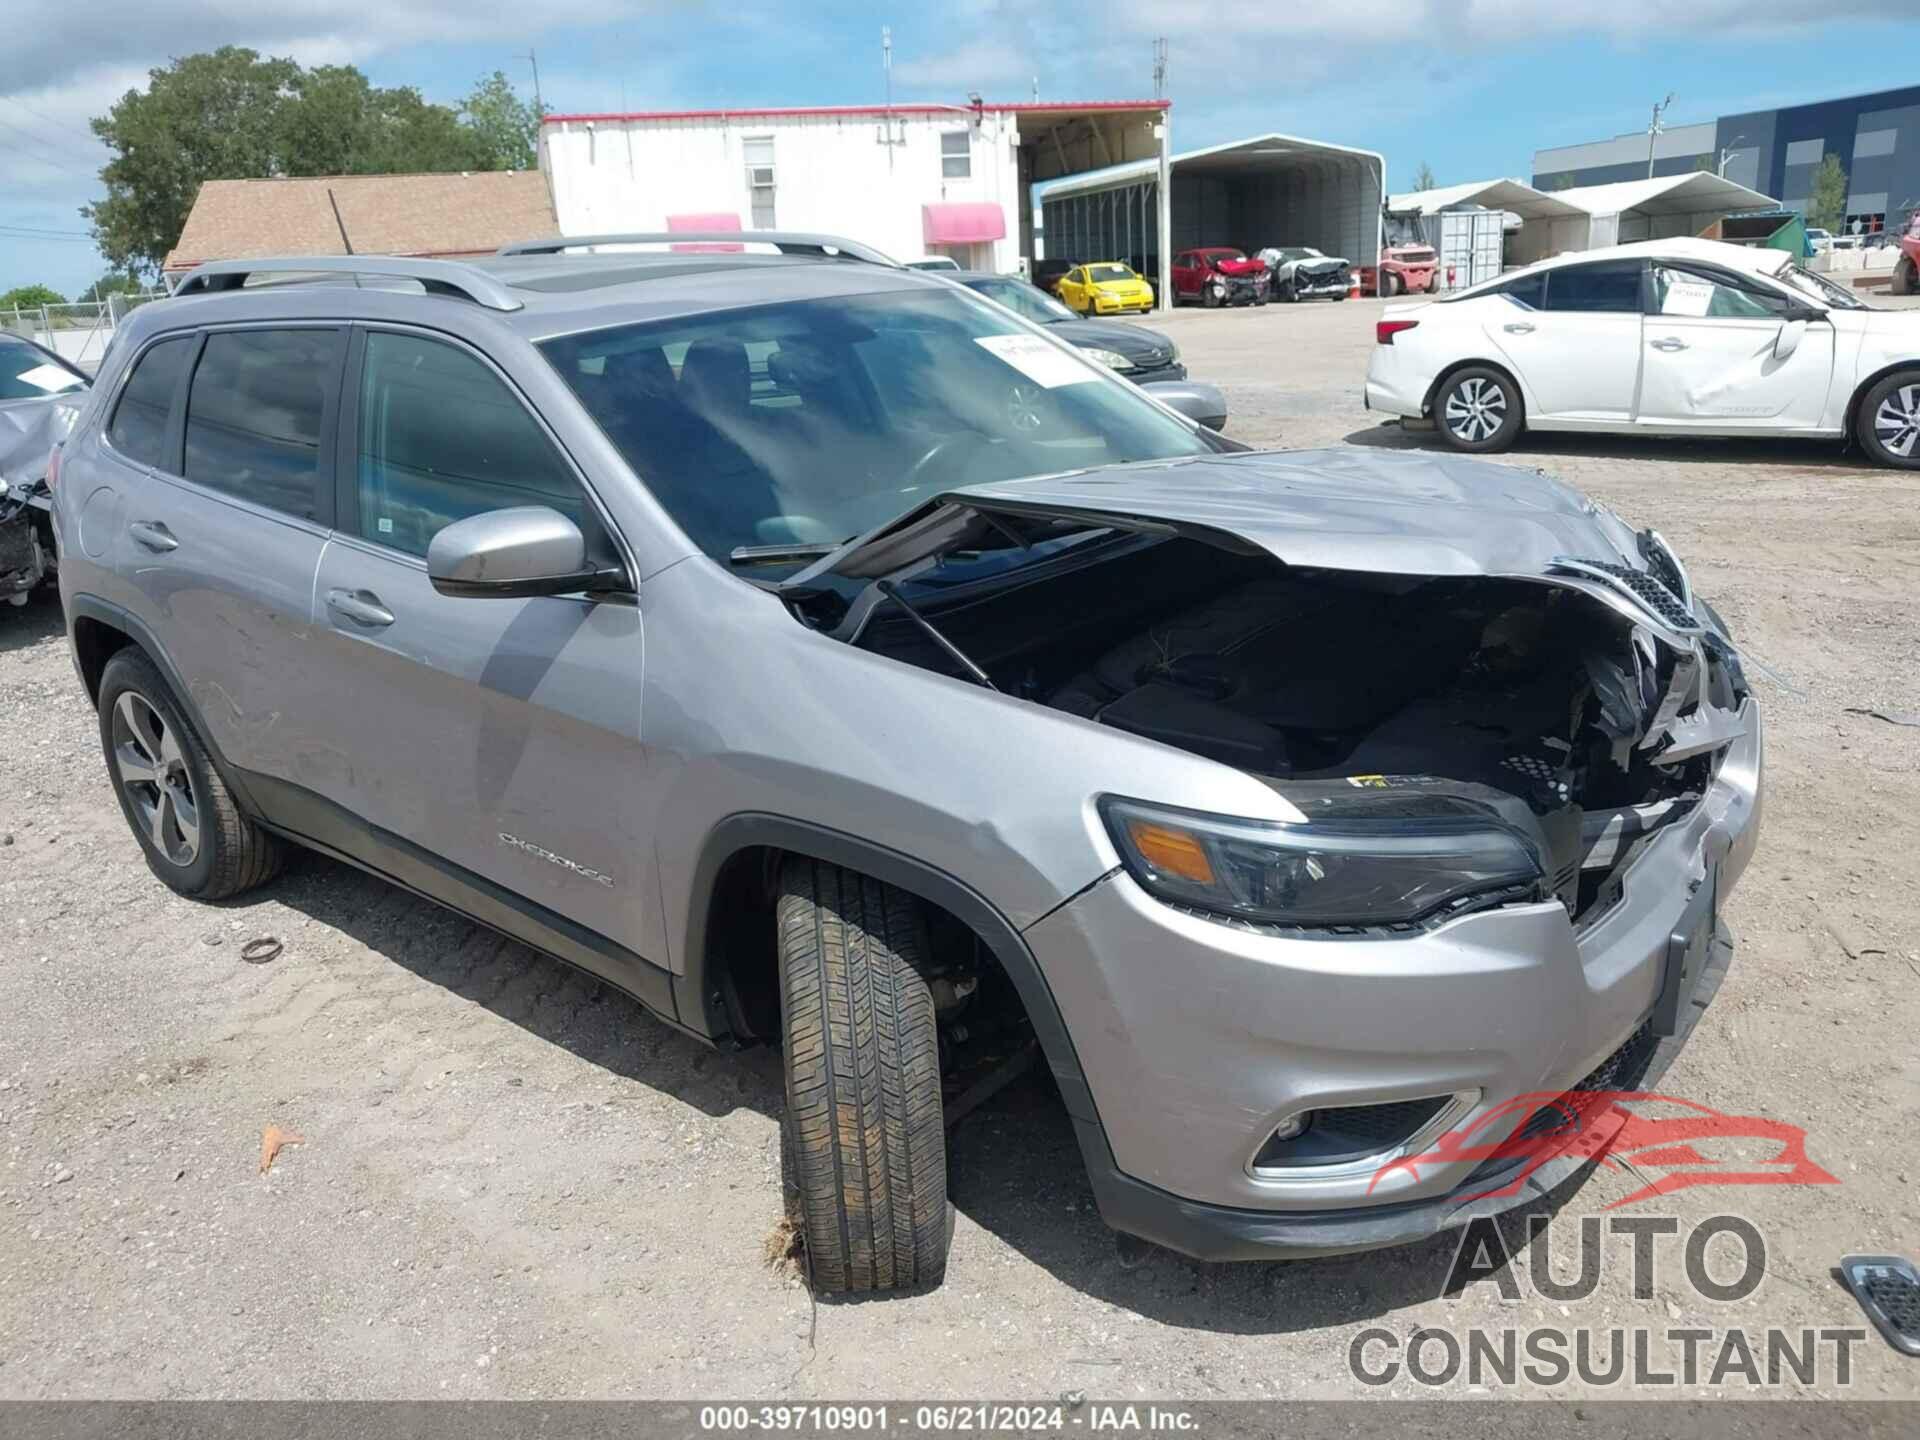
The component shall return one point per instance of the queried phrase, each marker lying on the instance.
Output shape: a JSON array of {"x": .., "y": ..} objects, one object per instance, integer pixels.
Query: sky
[{"x": 1470, "y": 87}]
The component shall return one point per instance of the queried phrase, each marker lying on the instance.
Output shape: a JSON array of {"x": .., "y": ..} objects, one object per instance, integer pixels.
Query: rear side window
[
  {"x": 138, "y": 429},
  {"x": 1611, "y": 288},
  {"x": 441, "y": 438},
  {"x": 1528, "y": 290},
  {"x": 256, "y": 414}
]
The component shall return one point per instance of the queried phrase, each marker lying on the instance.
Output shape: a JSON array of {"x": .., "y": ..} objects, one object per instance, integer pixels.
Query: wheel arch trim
[
  {"x": 1453, "y": 368},
  {"x": 1859, "y": 397},
  {"x": 696, "y": 991}
]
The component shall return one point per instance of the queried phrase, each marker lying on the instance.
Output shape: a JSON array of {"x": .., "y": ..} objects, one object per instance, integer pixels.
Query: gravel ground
[{"x": 514, "y": 1183}]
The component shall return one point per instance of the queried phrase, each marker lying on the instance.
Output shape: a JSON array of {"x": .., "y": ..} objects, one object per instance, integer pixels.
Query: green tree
[
  {"x": 1827, "y": 202},
  {"x": 1562, "y": 181},
  {"x": 115, "y": 282},
  {"x": 1423, "y": 177},
  {"x": 506, "y": 127},
  {"x": 30, "y": 297},
  {"x": 232, "y": 115}
]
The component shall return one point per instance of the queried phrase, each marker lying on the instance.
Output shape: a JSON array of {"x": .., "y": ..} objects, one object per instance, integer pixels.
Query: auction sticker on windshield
[{"x": 1039, "y": 360}]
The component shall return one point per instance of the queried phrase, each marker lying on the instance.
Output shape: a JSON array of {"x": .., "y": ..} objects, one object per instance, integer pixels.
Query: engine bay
[{"x": 1327, "y": 684}]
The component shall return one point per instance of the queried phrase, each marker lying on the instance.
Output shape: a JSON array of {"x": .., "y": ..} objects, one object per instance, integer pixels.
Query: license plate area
[{"x": 1688, "y": 949}]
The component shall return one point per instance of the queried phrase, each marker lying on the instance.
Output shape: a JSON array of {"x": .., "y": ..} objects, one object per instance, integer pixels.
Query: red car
[{"x": 1219, "y": 275}]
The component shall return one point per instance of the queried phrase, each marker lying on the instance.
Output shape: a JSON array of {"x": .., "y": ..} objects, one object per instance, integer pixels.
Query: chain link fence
[{"x": 78, "y": 332}]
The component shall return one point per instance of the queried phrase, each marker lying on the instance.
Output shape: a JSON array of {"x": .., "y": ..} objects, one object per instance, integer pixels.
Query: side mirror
[
  {"x": 1788, "y": 340},
  {"x": 1195, "y": 399},
  {"x": 508, "y": 554}
]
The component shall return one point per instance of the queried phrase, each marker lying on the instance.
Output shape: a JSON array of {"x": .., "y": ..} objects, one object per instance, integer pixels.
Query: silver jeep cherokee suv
[{"x": 824, "y": 656}]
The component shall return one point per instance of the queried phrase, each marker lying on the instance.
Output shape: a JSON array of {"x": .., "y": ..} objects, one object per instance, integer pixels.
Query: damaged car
[
  {"x": 1301, "y": 272},
  {"x": 831, "y": 660},
  {"x": 40, "y": 394}
]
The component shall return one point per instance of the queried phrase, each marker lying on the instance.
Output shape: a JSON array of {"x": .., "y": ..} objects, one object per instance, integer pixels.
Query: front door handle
[
  {"x": 1669, "y": 344},
  {"x": 152, "y": 535},
  {"x": 1519, "y": 327},
  {"x": 363, "y": 607}
]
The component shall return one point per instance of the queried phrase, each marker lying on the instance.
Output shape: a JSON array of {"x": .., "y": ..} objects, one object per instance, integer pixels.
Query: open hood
[
  {"x": 1340, "y": 509},
  {"x": 1241, "y": 267},
  {"x": 29, "y": 429}
]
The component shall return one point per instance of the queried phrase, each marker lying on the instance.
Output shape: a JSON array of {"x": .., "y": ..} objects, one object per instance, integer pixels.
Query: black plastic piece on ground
[{"x": 1888, "y": 1289}]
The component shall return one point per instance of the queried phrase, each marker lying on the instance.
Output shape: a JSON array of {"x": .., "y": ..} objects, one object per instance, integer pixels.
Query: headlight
[
  {"x": 1112, "y": 359},
  {"x": 1372, "y": 870}
]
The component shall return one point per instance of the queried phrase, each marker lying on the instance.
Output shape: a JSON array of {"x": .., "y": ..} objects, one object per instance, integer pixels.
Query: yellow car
[{"x": 1104, "y": 288}]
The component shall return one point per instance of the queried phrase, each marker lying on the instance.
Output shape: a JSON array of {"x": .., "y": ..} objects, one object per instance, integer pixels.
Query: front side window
[
  {"x": 138, "y": 429},
  {"x": 441, "y": 438},
  {"x": 1609, "y": 288},
  {"x": 813, "y": 421},
  {"x": 30, "y": 373},
  {"x": 956, "y": 155},
  {"x": 256, "y": 412},
  {"x": 1683, "y": 293}
]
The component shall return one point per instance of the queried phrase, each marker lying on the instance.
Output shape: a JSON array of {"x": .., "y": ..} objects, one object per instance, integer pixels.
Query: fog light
[{"x": 1290, "y": 1128}]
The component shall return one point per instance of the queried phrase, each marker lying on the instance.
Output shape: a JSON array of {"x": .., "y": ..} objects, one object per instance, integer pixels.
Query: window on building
[
  {"x": 441, "y": 438},
  {"x": 758, "y": 152},
  {"x": 256, "y": 414},
  {"x": 956, "y": 155},
  {"x": 139, "y": 428},
  {"x": 1612, "y": 288}
]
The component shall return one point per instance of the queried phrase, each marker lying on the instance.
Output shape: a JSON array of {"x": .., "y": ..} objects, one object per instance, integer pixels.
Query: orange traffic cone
[{"x": 1353, "y": 284}]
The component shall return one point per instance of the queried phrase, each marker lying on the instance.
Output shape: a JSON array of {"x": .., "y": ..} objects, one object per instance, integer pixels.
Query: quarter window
[
  {"x": 442, "y": 438},
  {"x": 256, "y": 412},
  {"x": 956, "y": 155},
  {"x": 139, "y": 426},
  {"x": 1612, "y": 288},
  {"x": 1528, "y": 290}
]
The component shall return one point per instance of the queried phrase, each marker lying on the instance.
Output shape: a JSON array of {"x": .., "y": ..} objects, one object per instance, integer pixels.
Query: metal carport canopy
[
  {"x": 1509, "y": 195},
  {"x": 1268, "y": 189},
  {"x": 1667, "y": 195}
]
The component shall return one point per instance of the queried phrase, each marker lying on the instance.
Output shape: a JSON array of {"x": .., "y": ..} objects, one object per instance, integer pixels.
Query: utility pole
[
  {"x": 534, "y": 61},
  {"x": 1160, "y": 68},
  {"x": 1726, "y": 155},
  {"x": 1654, "y": 128}
]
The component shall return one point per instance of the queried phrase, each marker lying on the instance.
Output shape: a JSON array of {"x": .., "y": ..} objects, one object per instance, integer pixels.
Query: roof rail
[
  {"x": 436, "y": 277},
  {"x": 787, "y": 242}
]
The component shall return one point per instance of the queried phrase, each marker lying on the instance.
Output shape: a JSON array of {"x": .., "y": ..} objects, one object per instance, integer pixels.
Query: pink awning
[
  {"x": 718, "y": 220},
  {"x": 962, "y": 224}
]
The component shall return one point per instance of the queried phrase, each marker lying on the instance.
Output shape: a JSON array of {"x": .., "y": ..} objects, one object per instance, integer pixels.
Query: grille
[
  {"x": 1622, "y": 1070},
  {"x": 1888, "y": 1289},
  {"x": 1349, "y": 1132},
  {"x": 1648, "y": 590}
]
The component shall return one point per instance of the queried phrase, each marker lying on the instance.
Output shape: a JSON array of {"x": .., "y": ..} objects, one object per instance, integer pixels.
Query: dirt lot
[{"x": 513, "y": 1183}]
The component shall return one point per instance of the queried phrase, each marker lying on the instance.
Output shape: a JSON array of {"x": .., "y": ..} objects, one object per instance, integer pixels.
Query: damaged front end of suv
[{"x": 1482, "y": 701}]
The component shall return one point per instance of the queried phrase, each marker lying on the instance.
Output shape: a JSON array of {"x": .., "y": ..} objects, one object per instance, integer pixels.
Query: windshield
[
  {"x": 29, "y": 373},
  {"x": 1021, "y": 298},
  {"x": 1106, "y": 274},
  {"x": 811, "y": 422},
  {"x": 1819, "y": 288}
]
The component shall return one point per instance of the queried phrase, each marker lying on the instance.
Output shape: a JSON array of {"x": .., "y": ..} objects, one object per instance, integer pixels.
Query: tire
[
  {"x": 1887, "y": 423},
  {"x": 193, "y": 833},
  {"x": 1293, "y": 292},
  {"x": 1389, "y": 285},
  {"x": 1903, "y": 277},
  {"x": 864, "y": 1126},
  {"x": 1209, "y": 297},
  {"x": 1483, "y": 398}
]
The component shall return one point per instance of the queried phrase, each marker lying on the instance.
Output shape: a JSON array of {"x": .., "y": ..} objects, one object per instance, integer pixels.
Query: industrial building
[
  {"x": 953, "y": 180},
  {"x": 1876, "y": 137}
]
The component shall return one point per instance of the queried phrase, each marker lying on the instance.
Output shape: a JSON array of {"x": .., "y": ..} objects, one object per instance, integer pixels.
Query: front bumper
[
  {"x": 1311, "y": 286},
  {"x": 1196, "y": 1037},
  {"x": 1118, "y": 305}
]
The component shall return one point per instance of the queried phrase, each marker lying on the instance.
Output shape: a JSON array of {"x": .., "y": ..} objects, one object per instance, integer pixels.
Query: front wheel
[
  {"x": 1478, "y": 410},
  {"x": 1389, "y": 285},
  {"x": 864, "y": 1127},
  {"x": 1888, "y": 425},
  {"x": 1210, "y": 297}
]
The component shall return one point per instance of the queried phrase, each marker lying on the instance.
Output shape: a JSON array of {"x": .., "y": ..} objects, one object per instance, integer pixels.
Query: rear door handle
[
  {"x": 152, "y": 535},
  {"x": 363, "y": 607},
  {"x": 1519, "y": 327},
  {"x": 1669, "y": 344}
]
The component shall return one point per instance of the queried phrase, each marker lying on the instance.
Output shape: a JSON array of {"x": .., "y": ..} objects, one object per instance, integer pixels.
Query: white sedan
[{"x": 1665, "y": 337}]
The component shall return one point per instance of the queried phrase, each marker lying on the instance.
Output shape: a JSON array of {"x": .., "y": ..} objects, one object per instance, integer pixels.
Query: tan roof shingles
[{"x": 459, "y": 214}]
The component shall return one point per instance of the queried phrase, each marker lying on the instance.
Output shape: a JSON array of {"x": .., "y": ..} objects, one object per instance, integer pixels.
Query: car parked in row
[
  {"x": 41, "y": 393},
  {"x": 1661, "y": 337},
  {"x": 1219, "y": 275},
  {"x": 828, "y": 658},
  {"x": 1104, "y": 287},
  {"x": 1301, "y": 272}
]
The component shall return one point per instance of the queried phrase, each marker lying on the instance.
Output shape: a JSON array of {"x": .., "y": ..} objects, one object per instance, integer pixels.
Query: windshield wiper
[{"x": 780, "y": 554}]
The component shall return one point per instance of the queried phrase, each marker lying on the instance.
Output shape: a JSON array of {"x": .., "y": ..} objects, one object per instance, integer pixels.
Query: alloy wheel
[
  {"x": 1476, "y": 409},
  {"x": 153, "y": 772},
  {"x": 1896, "y": 424}
]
